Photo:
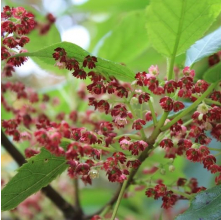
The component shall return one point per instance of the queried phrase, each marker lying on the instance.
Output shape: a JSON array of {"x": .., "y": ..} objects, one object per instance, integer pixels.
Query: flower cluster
[
  {"x": 17, "y": 22},
  {"x": 160, "y": 190},
  {"x": 126, "y": 130}
]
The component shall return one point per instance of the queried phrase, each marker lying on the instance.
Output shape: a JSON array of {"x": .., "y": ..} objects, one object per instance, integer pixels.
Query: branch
[
  {"x": 77, "y": 203},
  {"x": 67, "y": 209}
]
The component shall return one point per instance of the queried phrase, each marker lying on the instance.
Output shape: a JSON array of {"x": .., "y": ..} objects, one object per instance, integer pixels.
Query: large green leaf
[
  {"x": 213, "y": 74},
  {"x": 206, "y": 46},
  {"x": 206, "y": 205},
  {"x": 111, "y": 5},
  {"x": 52, "y": 37},
  {"x": 173, "y": 26},
  {"x": 38, "y": 172},
  {"x": 105, "y": 67},
  {"x": 127, "y": 40}
]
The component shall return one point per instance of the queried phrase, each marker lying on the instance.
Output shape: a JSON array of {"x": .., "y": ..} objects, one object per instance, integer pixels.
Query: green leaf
[
  {"x": 111, "y": 5},
  {"x": 213, "y": 74},
  {"x": 105, "y": 67},
  {"x": 173, "y": 26},
  {"x": 52, "y": 37},
  {"x": 206, "y": 205},
  {"x": 206, "y": 46},
  {"x": 38, "y": 172},
  {"x": 127, "y": 40}
]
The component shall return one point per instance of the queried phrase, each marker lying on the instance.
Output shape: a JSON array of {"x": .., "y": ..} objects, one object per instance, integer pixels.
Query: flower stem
[
  {"x": 209, "y": 101},
  {"x": 214, "y": 149},
  {"x": 119, "y": 199},
  {"x": 156, "y": 131},
  {"x": 152, "y": 112},
  {"x": 132, "y": 136},
  {"x": 190, "y": 108}
]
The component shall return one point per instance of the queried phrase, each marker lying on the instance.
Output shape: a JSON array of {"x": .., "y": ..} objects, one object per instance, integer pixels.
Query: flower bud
[
  {"x": 195, "y": 146},
  {"x": 134, "y": 101},
  {"x": 162, "y": 171},
  {"x": 171, "y": 168},
  {"x": 171, "y": 161},
  {"x": 203, "y": 108},
  {"x": 93, "y": 174}
]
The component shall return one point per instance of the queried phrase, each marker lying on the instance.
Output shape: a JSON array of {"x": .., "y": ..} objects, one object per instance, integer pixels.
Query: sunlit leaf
[
  {"x": 38, "y": 172},
  {"x": 127, "y": 40},
  {"x": 206, "y": 46},
  {"x": 205, "y": 205},
  {"x": 213, "y": 74},
  {"x": 105, "y": 67},
  {"x": 173, "y": 26}
]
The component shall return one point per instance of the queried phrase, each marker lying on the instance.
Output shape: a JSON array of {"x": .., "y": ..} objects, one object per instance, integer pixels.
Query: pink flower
[
  {"x": 188, "y": 72},
  {"x": 154, "y": 70}
]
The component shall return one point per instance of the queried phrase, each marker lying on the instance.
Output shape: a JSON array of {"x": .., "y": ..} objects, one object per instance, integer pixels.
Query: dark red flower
[
  {"x": 148, "y": 116},
  {"x": 166, "y": 142},
  {"x": 166, "y": 103},
  {"x": 143, "y": 97},
  {"x": 150, "y": 192},
  {"x": 213, "y": 59},
  {"x": 5, "y": 54},
  {"x": 216, "y": 96},
  {"x": 82, "y": 169},
  {"x": 7, "y": 12},
  {"x": 119, "y": 110},
  {"x": 152, "y": 82},
  {"x": 103, "y": 106},
  {"x": 88, "y": 138},
  {"x": 218, "y": 179},
  {"x": 170, "y": 86},
  {"x": 17, "y": 61},
  {"x": 137, "y": 147},
  {"x": 106, "y": 128},
  {"x": 177, "y": 106},
  {"x": 121, "y": 92},
  {"x": 119, "y": 156},
  {"x": 7, "y": 71},
  {"x": 169, "y": 200},
  {"x": 204, "y": 151},
  {"x": 201, "y": 86},
  {"x": 8, "y": 26},
  {"x": 10, "y": 42},
  {"x": 216, "y": 132},
  {"x": 181, "y": 181},
  {"x": 79, "y": 73},
  {"x": 97, "y": 88},
  {"x": 185, "y": 82},
  {"x": 202, "y": 139},
  {"x": 208, "y": 161},
  {"x": 133, "y": 164},
  {"x": 138, "y": 124},
  {"x": 72, "y": 64},
  {"x": 50, "y": 17},
  {"x": 23, "y": 40},
  {"x": 59, "y": 53},
  {"x": 141, "y": 77},
  {"x": 214, "y": 168},
  {"x": 89, "y": 61},
  {"x": 193, "y": 155},
  {"x": 30, "y": 152}
]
